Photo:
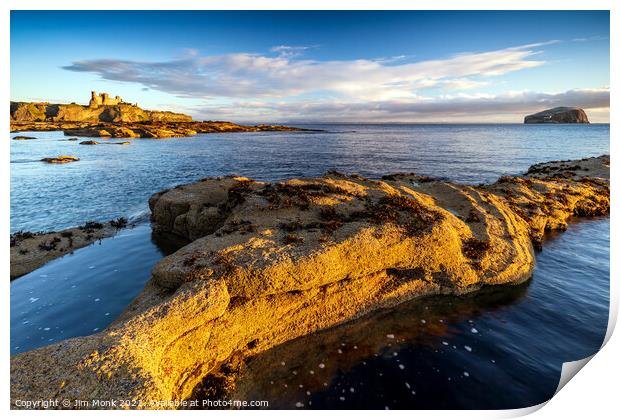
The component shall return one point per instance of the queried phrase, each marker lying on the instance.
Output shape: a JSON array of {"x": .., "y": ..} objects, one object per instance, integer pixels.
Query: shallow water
[
  {"x": 112, "y": 180},
  {"x": 522, "y": 334},
  {"x": 81, "y": 293}
]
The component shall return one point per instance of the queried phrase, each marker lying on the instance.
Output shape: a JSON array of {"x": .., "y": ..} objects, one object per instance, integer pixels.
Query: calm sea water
[
  {"x": 111, "y": 180},
  {"x": 499, "y": 349}
]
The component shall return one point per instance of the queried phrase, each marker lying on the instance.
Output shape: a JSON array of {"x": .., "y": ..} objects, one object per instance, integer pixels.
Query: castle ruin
[{"x": 103, "y": 99}]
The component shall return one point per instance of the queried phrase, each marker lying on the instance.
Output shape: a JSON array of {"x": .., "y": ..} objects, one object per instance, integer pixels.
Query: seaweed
[
  {"x": 475, "y": 249},
  {"x": 91, "y": 226},
  {"x": 119, "y": 223}
]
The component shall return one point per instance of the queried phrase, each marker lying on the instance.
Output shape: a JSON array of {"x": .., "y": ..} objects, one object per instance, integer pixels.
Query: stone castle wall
[{"x": 103, "y": 99}]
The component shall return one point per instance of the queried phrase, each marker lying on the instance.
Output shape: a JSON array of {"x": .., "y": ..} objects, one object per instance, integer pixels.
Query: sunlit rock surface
[
  {"x": 559, "y": 115},
  {"x": 115, "y": 118},
  {"x": 269, "y": 262}
]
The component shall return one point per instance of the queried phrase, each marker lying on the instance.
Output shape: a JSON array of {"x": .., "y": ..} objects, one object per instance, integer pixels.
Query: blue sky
[{"x": 319, "y": 66}]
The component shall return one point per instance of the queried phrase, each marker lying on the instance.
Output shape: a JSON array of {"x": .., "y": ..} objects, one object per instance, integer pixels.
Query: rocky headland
[
  {"x": 558, "y": 115},
  {"x": 108, "y": 117},
  {"x": 270, "y": 262}
]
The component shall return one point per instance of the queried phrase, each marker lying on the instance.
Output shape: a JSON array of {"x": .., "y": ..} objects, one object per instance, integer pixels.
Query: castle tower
[{"x": 95, "y": 100}]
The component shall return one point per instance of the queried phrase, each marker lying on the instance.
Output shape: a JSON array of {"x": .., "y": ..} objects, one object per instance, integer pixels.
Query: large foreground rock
[
  {"x": 559, "y": 115},
  {"x": 269, "y": 262}
]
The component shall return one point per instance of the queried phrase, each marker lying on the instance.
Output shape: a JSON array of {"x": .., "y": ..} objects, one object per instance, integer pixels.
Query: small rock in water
[
  {"x": 445, "y": 343},
  {"x": 475, "y": 331},
  {"x": 322, "y": 365},
  {"x": 466, "y": 373},
  {"x": 390, "y": 336},
  {"x": 401, "y": 367},
  {"x": 467, "y": 348},
  {"x": 299, "y": 404}
]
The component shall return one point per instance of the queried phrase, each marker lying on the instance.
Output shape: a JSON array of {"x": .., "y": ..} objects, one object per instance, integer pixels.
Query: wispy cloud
[
  {"x": 590, "y": 38},
  {"x": 245, "y": 75},
  {"x": 289, "y": 50}
]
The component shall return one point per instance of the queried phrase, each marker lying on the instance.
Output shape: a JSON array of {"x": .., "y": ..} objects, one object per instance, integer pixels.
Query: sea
[{"x": 502, "y": 348}]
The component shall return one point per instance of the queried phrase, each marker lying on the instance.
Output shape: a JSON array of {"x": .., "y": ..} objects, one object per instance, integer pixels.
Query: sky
[{"x": 318, "y": 66}]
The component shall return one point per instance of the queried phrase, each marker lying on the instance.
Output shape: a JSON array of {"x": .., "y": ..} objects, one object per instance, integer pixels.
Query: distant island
[
  {"x": 105, "y": 116},
  {"x": 558, "y": 115}
]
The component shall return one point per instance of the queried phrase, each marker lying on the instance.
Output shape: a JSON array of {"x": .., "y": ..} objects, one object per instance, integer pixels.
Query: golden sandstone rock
[
  {"x": 60, "y": 159},
  {"x": 270, "y": 262}
]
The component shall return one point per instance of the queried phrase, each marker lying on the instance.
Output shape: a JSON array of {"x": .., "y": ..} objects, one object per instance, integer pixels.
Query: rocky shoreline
[
  {"x": 31, "y": 250},
  {"x": 270, "y": 262},
  {"x": 105, "y": 116},
  {"x": 153, "y": 130}
]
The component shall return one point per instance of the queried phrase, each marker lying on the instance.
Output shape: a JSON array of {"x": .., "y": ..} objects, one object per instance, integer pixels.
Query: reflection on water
[
  {"x": 501, "y": 348},
  {"x": 81, "y": 293}
]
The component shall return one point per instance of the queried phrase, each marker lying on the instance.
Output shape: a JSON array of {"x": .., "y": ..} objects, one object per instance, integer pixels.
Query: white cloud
[
  {"x": 244, "y": 75},
  {"x": 289, "y": 50}
]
